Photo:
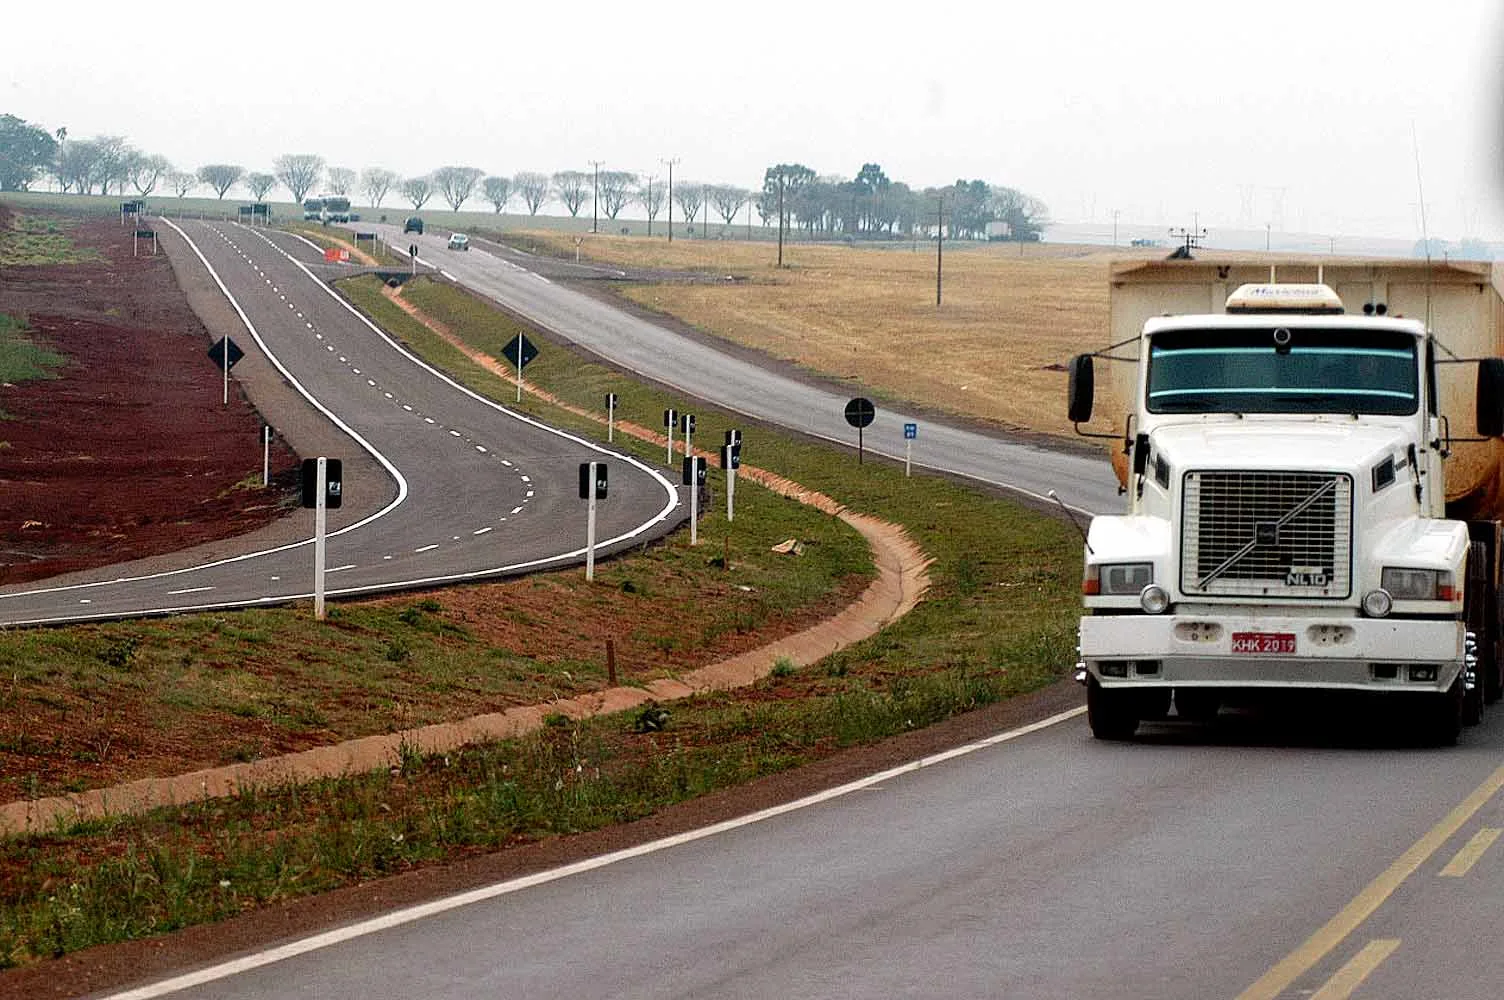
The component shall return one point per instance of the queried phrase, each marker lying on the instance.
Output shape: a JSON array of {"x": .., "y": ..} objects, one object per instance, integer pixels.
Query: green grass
[
  {"x": 34, "y": 239},
  {"x": 21, "y": 360},
  {"x": 999, "y": 620}
]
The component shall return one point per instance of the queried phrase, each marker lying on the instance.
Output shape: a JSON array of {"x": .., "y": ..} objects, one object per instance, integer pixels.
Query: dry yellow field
[{"x": 869, "y": 314}]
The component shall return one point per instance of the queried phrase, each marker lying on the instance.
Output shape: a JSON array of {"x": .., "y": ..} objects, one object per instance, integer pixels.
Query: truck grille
[{"x": 1267, "y": 534}]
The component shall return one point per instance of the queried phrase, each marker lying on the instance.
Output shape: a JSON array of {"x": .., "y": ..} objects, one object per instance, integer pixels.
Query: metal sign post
[
  {"x": 910, "y": 432},
  {"x": 694, "y": 471},
  {"x": 519, "y": 367},
  {"x": 731, "y": 460},
  {"x": 321, "y": 488},
  {"x": 669, "y": 419},
  {"x": 610, "y": 417},
  {"x": 592, "y": 488},
  {"x": 859, "y": 414},
  {"x": 412, "y": 251}
]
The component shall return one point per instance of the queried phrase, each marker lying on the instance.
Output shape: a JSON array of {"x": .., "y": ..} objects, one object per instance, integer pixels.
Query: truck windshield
[{"x": 1315, "y": 371}]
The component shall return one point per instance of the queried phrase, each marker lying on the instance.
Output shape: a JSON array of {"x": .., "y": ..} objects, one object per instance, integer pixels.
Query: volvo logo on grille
[{"x": 1266, "y": 532}]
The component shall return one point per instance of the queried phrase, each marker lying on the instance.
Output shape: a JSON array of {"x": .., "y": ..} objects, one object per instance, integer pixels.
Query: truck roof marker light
[{"x": 1377, "y": 603}]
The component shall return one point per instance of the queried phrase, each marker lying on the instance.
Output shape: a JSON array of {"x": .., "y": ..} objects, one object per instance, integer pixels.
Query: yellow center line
[
  {"x": 1463, "y": 861},
  {"x": 1272, "y": 983},
  {"x": 1357, "y": 969}
]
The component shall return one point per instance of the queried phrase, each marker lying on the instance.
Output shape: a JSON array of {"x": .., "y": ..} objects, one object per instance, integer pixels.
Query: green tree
[
  {"x": 221, "y": 176},
  {"x": 25, "y": 153}
]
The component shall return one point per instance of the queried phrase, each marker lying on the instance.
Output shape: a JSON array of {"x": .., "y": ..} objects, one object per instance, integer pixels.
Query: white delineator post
[
  {"x": 321, "y": 487},
  {"x": 730, "y": 492},
  {"x": 519, "y": 367},
  {"x": 266, "y": 456},
  {"x": 694, "y": 489},
  {"x": 225, "y": 401},
  {"x": 610, "y": 417},
  {"x": 590, "y": 526}
]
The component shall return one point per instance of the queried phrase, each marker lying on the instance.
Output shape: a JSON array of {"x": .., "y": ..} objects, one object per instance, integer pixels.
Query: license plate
[{"x": 1263, "y": 643}]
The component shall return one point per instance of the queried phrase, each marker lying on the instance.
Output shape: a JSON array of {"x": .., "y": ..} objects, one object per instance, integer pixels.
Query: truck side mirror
[
  {"x": 1082, "y": 389},
  {"x": 1140, "y": 453},
  {"x": 1490, "y": 402}
]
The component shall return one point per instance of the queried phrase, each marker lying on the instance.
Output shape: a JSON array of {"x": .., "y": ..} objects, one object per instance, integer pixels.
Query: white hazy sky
[{"x": 1298, "y": 114}]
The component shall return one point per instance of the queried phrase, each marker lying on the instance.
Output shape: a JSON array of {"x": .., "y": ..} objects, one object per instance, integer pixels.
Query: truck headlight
[
  {"x": 1125, "y": 579},
  {"x": 1377, "y": 603},
  {"x": 1418, "y": 584},
  {"x": 1154, "y": 599}
]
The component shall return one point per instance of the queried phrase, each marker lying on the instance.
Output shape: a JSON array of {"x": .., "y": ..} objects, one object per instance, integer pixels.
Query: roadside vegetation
[
  {"x": 38, "y": 239},
  {"x": 1011, "y": 315},
  {"x": 21, "y": 358},
  {"x": 999, "y": 620}
]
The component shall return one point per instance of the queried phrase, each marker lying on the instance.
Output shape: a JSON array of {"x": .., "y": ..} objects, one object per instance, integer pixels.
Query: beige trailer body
[{"x": 1461, "y": 302}]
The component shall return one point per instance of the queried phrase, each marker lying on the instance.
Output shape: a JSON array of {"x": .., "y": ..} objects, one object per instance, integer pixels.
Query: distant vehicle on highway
[
  {"x": 459, "y": 241},
  {"x": 337, "y": 209},
  {"x": 313, "y": 210},
  {"x": 413, "y": 225}
]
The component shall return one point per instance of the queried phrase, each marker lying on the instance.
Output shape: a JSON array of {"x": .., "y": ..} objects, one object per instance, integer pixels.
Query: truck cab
[{"x": 1283, "y": 464}]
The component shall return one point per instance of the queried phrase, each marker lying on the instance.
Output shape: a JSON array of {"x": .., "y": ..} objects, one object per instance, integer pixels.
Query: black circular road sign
[{"x": 860, "y": 412}]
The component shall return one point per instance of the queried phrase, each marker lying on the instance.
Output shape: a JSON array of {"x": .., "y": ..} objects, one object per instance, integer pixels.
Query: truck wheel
[
  {"x": 1113, "y": 715},
  {"x": 1197, "y": 704},
  {"x": 1442, "y": 717},
  {"x": 1472, "y": 703}
]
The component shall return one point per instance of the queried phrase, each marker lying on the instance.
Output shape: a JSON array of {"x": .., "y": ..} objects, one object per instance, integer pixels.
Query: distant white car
[{"x": 459, "y": 241}]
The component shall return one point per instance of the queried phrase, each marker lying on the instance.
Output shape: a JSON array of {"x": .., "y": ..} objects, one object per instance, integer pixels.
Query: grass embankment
[
  {"x": 998, "y": 620},
  {"x": 22, "y": 359},
  {"x": 30, "y": 240},
  {"x": 1009, "y": 318}
]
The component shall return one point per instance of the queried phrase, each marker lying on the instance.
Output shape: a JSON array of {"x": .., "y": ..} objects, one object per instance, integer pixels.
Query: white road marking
[
  {"x": 340, "y": 569},
  {"x": 454, "y": 433},
  {"x": 516, "y": 510},
  {"x": 412, "y": 914},
  {"x": 188, "y": 590},
  {"x": 480, "y": 531},
  {"x": 427, "y": 548},
  {"x": 481, "y": 448}
]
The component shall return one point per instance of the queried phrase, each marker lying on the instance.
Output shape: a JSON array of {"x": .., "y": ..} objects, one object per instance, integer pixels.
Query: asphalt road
[
  {"x": 1188, "y": 865},
  {"x": 464, "y": 488},
  {"x": 520, "y": 282}
]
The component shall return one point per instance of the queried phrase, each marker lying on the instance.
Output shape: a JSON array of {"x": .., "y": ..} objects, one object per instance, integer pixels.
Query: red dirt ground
[{"x": 129, "y": 453}]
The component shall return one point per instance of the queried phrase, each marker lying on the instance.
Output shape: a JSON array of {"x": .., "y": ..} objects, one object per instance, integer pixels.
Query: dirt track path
[{"x": 901, "y": 582}]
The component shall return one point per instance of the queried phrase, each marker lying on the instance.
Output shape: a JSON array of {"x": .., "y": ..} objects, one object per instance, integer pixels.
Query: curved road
[
  {"x": 1250, "y": 860},
  {"x": 472, "y": 489},
  {"x": 1038, "y": 864},
  {"x": 516, "y": 280}
]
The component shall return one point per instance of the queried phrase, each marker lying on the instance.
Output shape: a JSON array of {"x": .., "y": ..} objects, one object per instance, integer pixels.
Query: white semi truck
[{"x": 1310, "y": 452}]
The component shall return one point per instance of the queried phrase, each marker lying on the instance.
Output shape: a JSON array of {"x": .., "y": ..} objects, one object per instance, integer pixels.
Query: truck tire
[
  {"x": 1113, "y": 715},
  {"x": 1441, "y": 719},
  {"x": 1472, "y": 703}
]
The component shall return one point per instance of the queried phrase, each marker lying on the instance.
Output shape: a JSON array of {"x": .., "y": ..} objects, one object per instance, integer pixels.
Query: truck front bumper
[{"x": 1358, "y": 654}]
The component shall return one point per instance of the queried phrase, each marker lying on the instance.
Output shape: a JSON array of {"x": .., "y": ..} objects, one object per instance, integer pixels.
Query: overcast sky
[{"x": 1297, "y": 114}]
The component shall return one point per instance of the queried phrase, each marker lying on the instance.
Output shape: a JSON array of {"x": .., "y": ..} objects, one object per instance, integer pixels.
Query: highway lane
[
  {"x": 700, "y": 370},
  {"x": 472, "y": 489},
  {"x": 1046, "y": 865}
]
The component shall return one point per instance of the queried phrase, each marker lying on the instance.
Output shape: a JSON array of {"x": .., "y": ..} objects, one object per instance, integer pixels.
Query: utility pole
[
  {"x": 780, "y": 217},
  {"x": 1114, "y": 227},
  {"x": 595, "y": 199},
  {"x": 649, "y": 203},
  {"x": 705, "y": 210},
  {"x": 939, "y": 244},
  {"x": 671, "y": 197}
]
